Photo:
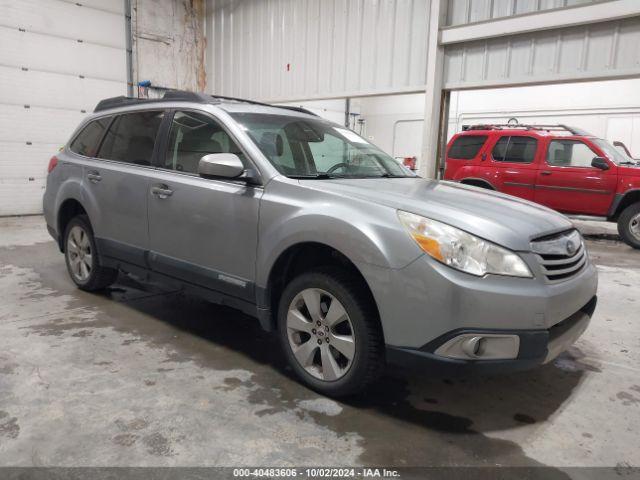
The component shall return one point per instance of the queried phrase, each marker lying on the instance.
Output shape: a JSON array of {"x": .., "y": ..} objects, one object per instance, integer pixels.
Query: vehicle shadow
[{"x": 403, "y": 419}]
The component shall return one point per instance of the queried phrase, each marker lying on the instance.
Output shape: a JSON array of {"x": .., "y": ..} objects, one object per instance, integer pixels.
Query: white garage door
[{"x": 57, "y": 60}]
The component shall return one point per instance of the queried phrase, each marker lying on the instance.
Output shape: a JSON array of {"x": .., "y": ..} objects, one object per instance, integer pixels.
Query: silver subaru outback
[{"x": 352, "y": 259}]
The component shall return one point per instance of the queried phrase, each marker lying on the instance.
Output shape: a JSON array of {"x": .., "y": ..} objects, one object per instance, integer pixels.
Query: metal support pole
[
  {"x": 128, "y": 46},
  {"x": 445, "y": 102},
  {"x": 347, "y": 111},
  {"x": 433, "y": 94}
]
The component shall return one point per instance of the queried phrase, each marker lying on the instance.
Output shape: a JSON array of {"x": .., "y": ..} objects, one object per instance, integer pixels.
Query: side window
[
  {"x": 467, "y": 147},
  {"x": 86, "y": 143},
  {"x": 131, "y": 137},
  {"x": 569, "y": 153},
  {"x": 500, "y": 149},
  {"x": 516, "y": 149},
  {"x": 192, "y": 136}
]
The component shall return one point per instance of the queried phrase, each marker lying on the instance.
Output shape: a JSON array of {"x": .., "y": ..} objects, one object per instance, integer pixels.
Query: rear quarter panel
[
  {"x": 64, "y": 182},
  {"x": 456, "y": 168}
]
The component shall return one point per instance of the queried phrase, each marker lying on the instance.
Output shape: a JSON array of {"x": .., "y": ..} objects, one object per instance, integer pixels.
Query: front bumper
[
  {"x": 537, "y": 347},
  {"x": 426, "y": 299}
]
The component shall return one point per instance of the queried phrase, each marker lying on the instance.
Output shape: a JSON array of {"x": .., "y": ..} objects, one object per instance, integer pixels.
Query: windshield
[
  {"x": 315, "y": 148},
  {"x": 612, "y": 153}
]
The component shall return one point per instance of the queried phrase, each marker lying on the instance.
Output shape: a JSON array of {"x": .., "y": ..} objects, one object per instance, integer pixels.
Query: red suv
[{"x": 558, "y": 166}]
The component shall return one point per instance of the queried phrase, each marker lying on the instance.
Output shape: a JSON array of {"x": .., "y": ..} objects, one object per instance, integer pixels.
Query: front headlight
[{"x": 461, "y": 250}]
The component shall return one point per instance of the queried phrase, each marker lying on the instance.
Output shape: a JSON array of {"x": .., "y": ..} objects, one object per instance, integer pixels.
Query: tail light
[{"x": 52, "y": 163}]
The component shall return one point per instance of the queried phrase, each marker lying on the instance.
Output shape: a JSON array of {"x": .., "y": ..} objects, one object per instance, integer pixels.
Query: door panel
[
  {"x": 120, "y": 222},
  {"x": 203, "y": 231},
  {"x": 118, "y": 181},
  {"x": 513, "y": 161},
  {"x": 567, "y": 182}
]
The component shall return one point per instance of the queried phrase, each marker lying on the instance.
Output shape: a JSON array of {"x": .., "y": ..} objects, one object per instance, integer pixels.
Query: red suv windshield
[{"x": 613, "y": 153}]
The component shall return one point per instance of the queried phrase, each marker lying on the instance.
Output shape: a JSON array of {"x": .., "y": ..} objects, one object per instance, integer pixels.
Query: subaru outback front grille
[{"x": 561, "y": 256}]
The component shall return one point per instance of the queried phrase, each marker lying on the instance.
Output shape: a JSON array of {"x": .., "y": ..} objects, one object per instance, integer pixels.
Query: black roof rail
[
  {"x": 296, "y": 109},
  {"x": 507, "y": 126},
  {"x": 114, "y": 102},
  {"x": 187, "y": 96},
  {"x": 242, "y": 100},
  {"x": 170, "y": 95},
  {"x": 253, "y": 102},
  {"x": 182, "y": 95}
]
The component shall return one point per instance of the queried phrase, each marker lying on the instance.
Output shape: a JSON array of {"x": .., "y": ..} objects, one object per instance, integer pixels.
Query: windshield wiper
[
  {"x": 629, "y": 162},
  {"x": 391, "y": 175},
  {"x": 319, "y": 176}
]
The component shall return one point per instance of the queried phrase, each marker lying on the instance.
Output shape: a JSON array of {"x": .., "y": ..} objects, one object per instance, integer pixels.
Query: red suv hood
[{"x": 629, "y": 170}]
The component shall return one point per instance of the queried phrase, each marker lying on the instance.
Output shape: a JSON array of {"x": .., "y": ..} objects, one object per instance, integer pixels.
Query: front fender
[{"x": 366, "y": 233}]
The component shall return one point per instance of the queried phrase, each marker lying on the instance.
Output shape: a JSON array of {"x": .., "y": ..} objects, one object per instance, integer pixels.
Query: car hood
[{"x": 499, "y": 218}]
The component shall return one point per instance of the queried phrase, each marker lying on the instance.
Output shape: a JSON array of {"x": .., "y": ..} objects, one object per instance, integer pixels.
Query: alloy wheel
[
  {"x": 320, "y": 334},
  {"x": 634, "y": 226},
  {"x": 79, "y": 253}
]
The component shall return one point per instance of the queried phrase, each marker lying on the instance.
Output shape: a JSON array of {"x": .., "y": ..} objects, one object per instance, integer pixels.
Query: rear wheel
[
  {"x": 629, "y": 225},
  {"x": 83, "y": 263},
  {"x": 330, "y": 332}
]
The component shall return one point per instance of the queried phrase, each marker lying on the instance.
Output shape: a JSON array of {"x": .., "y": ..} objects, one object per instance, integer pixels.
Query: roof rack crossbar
[{"x": 545, "y": 127}]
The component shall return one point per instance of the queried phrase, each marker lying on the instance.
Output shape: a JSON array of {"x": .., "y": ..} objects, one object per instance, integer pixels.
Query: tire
[
  {"x": 629, "y": 225},
  {"x": 83, "y": 262},
  {"x": 344, "y": 375}
]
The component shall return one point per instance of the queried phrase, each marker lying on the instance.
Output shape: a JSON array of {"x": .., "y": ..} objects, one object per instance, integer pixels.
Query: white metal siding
[
  {"x": 598, "y": 51},
  {"x": 281, "y": 50},
  {"x": 58, "y": 58},
  {"x": 461, "y": 12}
]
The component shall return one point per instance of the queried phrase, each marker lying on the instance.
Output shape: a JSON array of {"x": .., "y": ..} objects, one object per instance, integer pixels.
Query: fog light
[
  {"x": 481, "y": 346},
  {"x": 472, "y": 346}
]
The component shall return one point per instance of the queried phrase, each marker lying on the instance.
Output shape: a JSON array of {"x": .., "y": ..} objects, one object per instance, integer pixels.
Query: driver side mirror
[
  {"x": 600, "y": 163},
  {"x": 220, "y": 165}
]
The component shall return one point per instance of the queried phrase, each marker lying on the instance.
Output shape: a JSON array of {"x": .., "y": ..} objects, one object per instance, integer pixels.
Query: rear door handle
[
  {"x": 545, "y": 172},
  {"x": 94, "y": 176},
  {"x": 161, "y": 191}
]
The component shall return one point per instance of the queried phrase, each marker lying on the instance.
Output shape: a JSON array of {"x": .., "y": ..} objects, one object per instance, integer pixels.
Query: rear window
[
  {"x": 467, "y": 147},
  {"x": 86, "y": 143},
  {"x": 515, "y": 149},
  {"x": 131, "y": 137}
]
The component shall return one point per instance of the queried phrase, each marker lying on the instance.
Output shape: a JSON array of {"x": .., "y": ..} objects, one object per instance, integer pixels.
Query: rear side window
[
  {"x": 515, "y": 149},
  {"x": 131, "y": 137},
  {"x": 86, "y": 143},
  {"x": 467, "y": 147}
]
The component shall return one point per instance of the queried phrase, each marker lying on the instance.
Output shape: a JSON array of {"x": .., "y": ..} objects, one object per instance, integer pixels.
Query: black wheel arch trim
[
  {"x": 615, "y": 210},
  {"x": 474, "y": 179}
]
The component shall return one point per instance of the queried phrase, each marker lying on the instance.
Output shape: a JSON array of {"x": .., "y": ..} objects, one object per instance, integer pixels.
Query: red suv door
[
  {"x": 567, "y": 182},
  {"x": 513, "y": 163}
]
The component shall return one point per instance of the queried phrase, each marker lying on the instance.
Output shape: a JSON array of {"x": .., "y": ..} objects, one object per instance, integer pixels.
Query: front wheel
[
  {"x": 629, "y": 225},
  {"x": 83, "y": 263},
  {"x": 330, "y": 332}
]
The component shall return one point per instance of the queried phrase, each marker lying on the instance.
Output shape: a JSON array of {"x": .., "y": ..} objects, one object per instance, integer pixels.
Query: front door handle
[
  {"x": 545, "y": 172},
  {"x": 161, "y": 191},
  {"x": 94, "y": 176}
]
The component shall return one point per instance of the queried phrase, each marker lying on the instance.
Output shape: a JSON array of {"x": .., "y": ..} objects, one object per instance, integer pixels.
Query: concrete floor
[{"x": 139, "y": 376}]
